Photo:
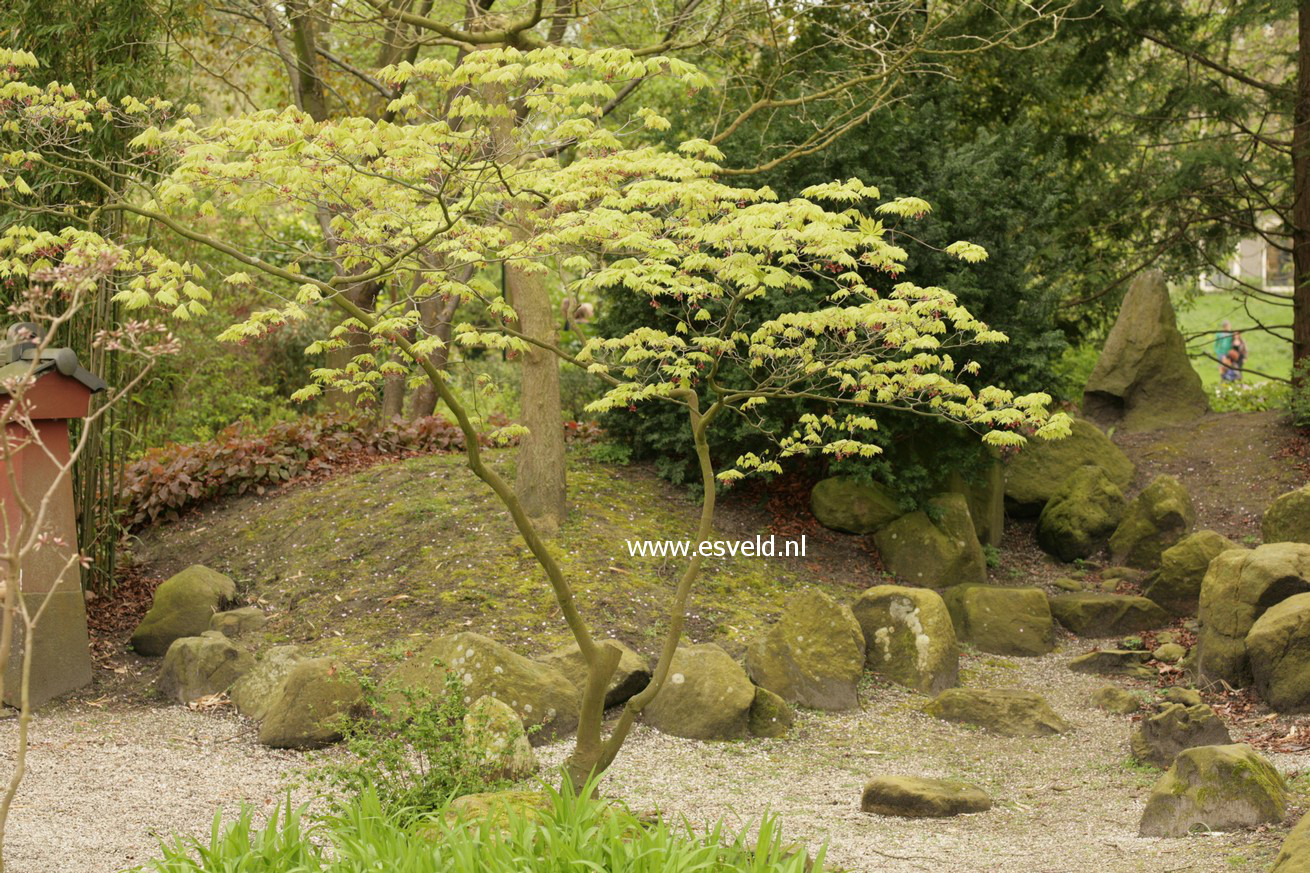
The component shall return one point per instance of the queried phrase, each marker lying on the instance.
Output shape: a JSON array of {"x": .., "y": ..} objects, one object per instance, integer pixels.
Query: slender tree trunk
[
  {"x": 1301, "y": 193},
  {"x": 436, "y": 317},
  {"x": 540, "y": 478}
]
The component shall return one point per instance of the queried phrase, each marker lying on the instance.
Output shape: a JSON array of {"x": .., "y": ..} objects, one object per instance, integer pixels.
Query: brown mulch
[{"x": 112, "y": 617}]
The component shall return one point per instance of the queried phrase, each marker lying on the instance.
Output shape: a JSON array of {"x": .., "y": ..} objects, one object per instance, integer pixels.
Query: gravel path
[{"x": 102, "y": 783}]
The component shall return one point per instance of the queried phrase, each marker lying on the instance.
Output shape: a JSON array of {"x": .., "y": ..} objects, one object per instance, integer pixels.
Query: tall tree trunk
[
  {"x": 1301, "y": 192},
  {"x": 436, "y": 317},
  {"x": 540, "y": 479}
]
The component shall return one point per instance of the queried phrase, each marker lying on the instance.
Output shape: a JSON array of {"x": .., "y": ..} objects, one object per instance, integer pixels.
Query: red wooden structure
[{"x": 61, "y": 658}]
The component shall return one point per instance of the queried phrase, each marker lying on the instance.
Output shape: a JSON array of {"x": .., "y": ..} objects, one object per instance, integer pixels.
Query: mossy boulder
[
  {"x": 1294, "y": 854},
  {"x": 707, "y": 696},
  {"x": 1239, "y": 586},
  {"x": 1002, "y": 621},
  {"x": 770, "y": 715},
  {"x": 913, "y": 797},
  {"x": 1278, "y": 646},
  {"x": 1080, "y": 516},
  {"x": 1169, "y": 653},
  {"x": 908, "y": 637},
  {"x": 1185, "y": 696},
  {"x": 1176, "y": 586},
  {"x": 936, "y": 553},
  {"x": 1143, "y": 378},
  {"x": 199, "y": 666},
  {"x": 1113, "y": 662},
  {"x": 1035, "y": 473},
  {"x": 255, "y": 691},
  {"x": 1160, "y": 737},
  {"x": 182, "y": 607},
  {"x": 1096, "y": 614},
  {"x": 1156, "y": 519},
  {"x": 813, "y": 655},
  {"x": 540, "y": 694},
  {"x": 238, "y": 622},
  {"x": 497, "y": 741},
  {"x": 1287, "y": 520},
  {"x": 630, "y": 677},
  {"x": 1005, "y": 711},
  {"x": 1112, "y": 698},
  {"x": 1214, "y": 788},
  {"x": 310, "y": 704},
  {"x": 851, "y": 505}
]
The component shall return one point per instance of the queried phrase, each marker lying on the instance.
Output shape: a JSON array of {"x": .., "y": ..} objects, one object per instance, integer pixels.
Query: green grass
[
  {"x": 1204, "y": 313},
  {"x": 551, "y": 832}
]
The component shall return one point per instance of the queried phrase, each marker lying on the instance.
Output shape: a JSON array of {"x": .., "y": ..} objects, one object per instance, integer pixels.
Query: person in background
[
  {"x": 1223, "y": 342},
  {"x": 1229, "y": 366},
  {"x": 1239, "y": 346}
]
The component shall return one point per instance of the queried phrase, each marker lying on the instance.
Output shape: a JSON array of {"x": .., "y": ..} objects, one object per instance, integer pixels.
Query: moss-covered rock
[
  {"x": 540, "y": 694},
  {"x": 199, "y": 666},
  {"x": 1143, "y": 379},
  {"x": 182, "y": 607},
  {"x": 255, "y": 691},
  {"x": 1160, "y": 737},
  {"x": 1033, "y": 475},
  {"x": 1169, "y": 653},
  {"x": 497, "y": 741},
  {"x": 707, "y": 696},
  {"x": 1113, "y": 662},
  {"x": 1294, "y": 854},
  {"x": 937, "y": 553},
  {"x": 1216, "y": 788},
  {"x": 1278, "y": 646},
  {"x": 1112, "y": 698},
  {"x": 770, "y": 715},
  {"x": 238, "y": 622},
  {"x": 1176, "y": 586},
  {"x": 1002, "y": 621},
  {"x": 913, "y": 797},
  {"x": 850, "y": 505},
  {"x": 1287, "y": 520},
  {"x": 1184, "y": 696},
  {"x": 1237, "y": 589},
  {"x": 1096, "y": 614},
  {"x": 1155, "y": 520},
  {"x": 310, "y": 703},
  {"x": 1080, "y": 516},
  {"x": 908, "y": 637},
  {"x": 1005, "y": 711},
  {"x": 630, "y": 677},
  {"x": 813, "y": 655}
]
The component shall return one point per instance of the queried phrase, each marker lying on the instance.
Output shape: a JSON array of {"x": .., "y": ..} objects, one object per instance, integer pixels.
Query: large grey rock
[
  {"x": 182, "y": 607},
  {"x": 255, "y": 691},
  {"x": 310, "y": 705},
  {"x": 850, "y": 505},
  {"x": 1003, "y": 621},
  {"x": 1112, "y": 698},
  {"x": 497, "y": 742},
  {"x": 813, "y": 655},
  {"x": 1294, "y": 854},
  {"x": 1093, "y": 614},
  {"x": 913, "y": 797},
  {"x": 1176, "y": 586},
  {"x": 1239, "y": 586},
  {"x": 1143, "y": 379},
  {"x": 1035, "y": 473},
  {"x": 1215, "y": 788},
  {"x": 199, "y": 666},
  {"x": 1155, "y": 520},
  {"x": 540, "y": 694},
  {"x": 937, "y": 553},
  {"x": 1287, "y": 520},
  {"x": 238, "y": 622},
  {"x": 770, "y": 715},
  {"x": 908, "y": 637},
  {"x": 707, "y": 696},
  {"x": 1278, "y": 646},
  {"x": 1005, "y": 711},
  {"x": 630, "y": 677},
  {"x": 1160, "y": 737},
  {"x": 1080, "y": 516}
]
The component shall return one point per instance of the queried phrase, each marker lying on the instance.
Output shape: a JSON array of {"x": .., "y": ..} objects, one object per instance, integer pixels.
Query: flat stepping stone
[
  {"x": 912, "y": 797},
  {"x": 1095, "y": 614},
  {"x": 1113, "y": 662},
  {"x": 1006, "y": 711}
]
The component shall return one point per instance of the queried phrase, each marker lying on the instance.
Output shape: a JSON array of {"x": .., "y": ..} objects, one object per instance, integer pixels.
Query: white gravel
[{"x": 102, "y": 783}]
